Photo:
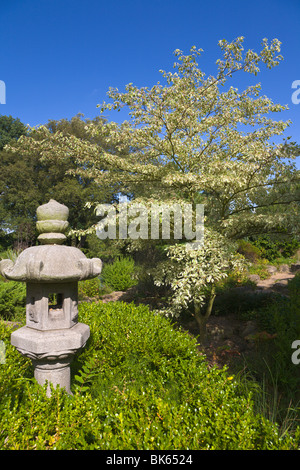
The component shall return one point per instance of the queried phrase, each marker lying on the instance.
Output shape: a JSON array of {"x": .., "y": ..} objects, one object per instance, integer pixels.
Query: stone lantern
[{"x": 52, "y": 334}]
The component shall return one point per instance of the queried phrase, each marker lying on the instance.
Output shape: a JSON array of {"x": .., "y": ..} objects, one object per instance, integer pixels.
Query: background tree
[
  {"x": 26, "y": 182},
  {"x": 10, "y": 129}
]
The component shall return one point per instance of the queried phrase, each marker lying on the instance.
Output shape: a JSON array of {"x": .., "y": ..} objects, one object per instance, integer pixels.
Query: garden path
[{"x": 277, "y": 281}]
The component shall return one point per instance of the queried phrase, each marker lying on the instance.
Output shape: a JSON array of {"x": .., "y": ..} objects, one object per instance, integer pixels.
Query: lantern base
[{"x": 51, "y": 352}]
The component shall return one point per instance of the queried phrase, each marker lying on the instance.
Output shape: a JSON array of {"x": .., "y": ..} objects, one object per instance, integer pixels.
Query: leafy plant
[
  {"x": 278, "y": 320},
  {"x": 12, "y": 299},
  {"x": 120, "y": 274},
  {"x": 192, "y": 275},
  {"x": 260, "y": 269},
  {"x": 89, "y": 288},
  {"x": 273, "y": 249},
  {"x": 251, "y": 252}
]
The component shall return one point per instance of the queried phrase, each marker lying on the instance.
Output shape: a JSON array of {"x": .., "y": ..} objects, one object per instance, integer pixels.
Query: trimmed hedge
[{"x": 138, "y": 384}]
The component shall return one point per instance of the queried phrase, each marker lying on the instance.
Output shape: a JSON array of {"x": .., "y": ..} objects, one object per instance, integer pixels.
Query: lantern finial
[{"x": 52, "y": 223}]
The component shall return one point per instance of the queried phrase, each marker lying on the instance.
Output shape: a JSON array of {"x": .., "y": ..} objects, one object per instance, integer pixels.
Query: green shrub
[
  {"x": 120, "y": 274},
  {"x": 273, "y": 249},
  {"x": 241, "y": 301},
  {"x": 138, "y": 384},
  {"x": 294, "y": 293},
  {"x": 249, "y": 251},
  {"x": 260, "y": 268},
  {"x": 12, "y": 299},
  {"x": 89, "y": 288}
]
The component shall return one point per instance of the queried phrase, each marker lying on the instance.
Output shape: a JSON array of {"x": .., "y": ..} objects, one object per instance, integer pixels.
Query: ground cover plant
[{"x": 138, "y": 384}]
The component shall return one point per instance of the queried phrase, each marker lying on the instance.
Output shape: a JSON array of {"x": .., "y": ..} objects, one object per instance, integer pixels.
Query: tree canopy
[
  {"x": 10, "y": 129},
  {"x": 194, "y": 139},
  {"x": 27, "y": 182}
]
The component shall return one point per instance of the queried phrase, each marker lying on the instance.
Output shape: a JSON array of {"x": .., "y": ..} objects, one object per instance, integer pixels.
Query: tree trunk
[{"x": 202, "y": 318}]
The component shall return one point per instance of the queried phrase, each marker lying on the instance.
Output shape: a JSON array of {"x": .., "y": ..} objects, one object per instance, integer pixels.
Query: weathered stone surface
[
  {"x": 254, "y": 277},
  {"x": 271, "y": 269},
  {"x": 52, "y": 222},
  {"x": 53, "y": 210},
  {"x": 48, "y": 263},
  {"x": 51, "y": 345},
  {"x": 52, "y": 334},
  {"x": 51, "y": 352},
  {"x": 284, "y": 268},
  {"x": 51, "y": 306}
]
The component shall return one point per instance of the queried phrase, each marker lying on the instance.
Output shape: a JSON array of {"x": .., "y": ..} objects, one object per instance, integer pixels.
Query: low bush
[
  {"x": 138, "y": 384},
  {"x": 242, "y": 300},
  {"x": 119, "y": 275},
  {"x": 90, "y": 288},
  {"x": 273, "y": 249},
  {"x": 251, "y": 252},
  {"x": 260, "y": 268}
]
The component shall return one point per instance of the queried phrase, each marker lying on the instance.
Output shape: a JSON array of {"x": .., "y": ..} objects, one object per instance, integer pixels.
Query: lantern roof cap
[{"x": 50, "y": 261}]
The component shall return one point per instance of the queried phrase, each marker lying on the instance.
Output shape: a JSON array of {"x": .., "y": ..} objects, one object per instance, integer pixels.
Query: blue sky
[{"x": 59, "y": 57}]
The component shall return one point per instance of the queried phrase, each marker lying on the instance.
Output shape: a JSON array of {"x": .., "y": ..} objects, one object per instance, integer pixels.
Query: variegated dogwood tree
[{"x": 194, "y": 138}]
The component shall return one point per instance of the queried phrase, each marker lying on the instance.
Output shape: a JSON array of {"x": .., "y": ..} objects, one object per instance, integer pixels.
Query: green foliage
[
  {"x": 89, "y": 288},
  {"x": 44, "y": 180},
  {"x": 120, "y": 274},
  {"x": 260, "y": 268},
  {"x": 278, "y": 320},
  {"x": 273, "y": 249},
  {"x": 12, "y": 300},
  {"x": 92, "y": 289},
  {"x": 294, "y": 289},
  {"x": 192, "y": 272},
  {"x": 139, "y": 384},
  {"x": 249, "y": 251},
  {"x": 10, "y": 129},
  {"x": 235, "y": 278},
  {"x": 179, "y": 142},
  {"x": 283, "y": 314},
  {"x": 9, "y": 254},
  {"x": 107, "y": 250},
  {"x": 241, "y": 302}
]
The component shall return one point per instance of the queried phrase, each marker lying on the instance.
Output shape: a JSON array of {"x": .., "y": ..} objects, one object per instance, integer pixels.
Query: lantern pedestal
[{"x": 51, "y": 352}]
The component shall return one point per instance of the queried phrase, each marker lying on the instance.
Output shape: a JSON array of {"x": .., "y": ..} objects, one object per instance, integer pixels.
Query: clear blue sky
[{"x": 59, "y": 57}]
